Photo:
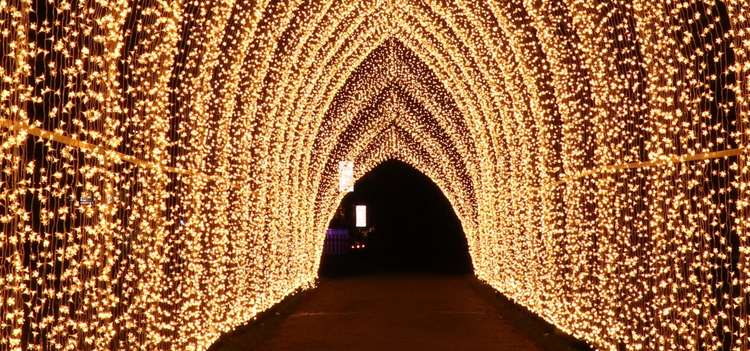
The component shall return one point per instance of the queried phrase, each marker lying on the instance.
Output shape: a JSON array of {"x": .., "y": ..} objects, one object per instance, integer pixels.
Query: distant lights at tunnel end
[{"x": 346, "y": 176}]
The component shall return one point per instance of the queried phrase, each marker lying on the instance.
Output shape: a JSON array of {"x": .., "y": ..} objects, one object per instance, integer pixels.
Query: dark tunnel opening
[{"x": 410, "y": 228}]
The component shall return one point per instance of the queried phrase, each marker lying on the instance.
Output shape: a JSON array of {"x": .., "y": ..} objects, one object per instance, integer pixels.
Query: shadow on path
[{"x": 396, "y": 312}]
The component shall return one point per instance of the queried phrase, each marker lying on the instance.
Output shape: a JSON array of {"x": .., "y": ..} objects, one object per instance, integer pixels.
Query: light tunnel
[{"x": 169, "y": 167}]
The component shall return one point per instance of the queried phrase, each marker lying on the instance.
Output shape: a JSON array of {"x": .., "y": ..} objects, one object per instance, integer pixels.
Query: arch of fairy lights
[{"x": 168, "y": 166}]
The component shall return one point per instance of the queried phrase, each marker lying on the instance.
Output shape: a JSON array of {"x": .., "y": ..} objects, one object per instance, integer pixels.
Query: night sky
[{"x": 414, "y": 228}]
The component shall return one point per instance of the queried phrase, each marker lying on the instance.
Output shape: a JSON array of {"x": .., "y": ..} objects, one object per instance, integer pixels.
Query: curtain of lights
[{"x": 169, "y": 166}]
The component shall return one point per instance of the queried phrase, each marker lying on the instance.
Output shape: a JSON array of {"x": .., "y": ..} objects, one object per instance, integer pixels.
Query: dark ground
[{"x": 396, "y": 312}]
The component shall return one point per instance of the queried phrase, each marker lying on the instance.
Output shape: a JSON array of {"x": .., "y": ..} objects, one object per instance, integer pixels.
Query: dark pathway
[{"x": 408, "y": 312}]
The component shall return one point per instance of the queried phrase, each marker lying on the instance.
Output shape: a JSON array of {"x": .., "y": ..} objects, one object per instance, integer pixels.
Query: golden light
[{"x": 169, "y": 167}]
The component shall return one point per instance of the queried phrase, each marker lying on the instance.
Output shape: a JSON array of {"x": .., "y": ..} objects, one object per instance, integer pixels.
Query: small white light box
[
  {"x": 346, "y": 176},
  {"x": 360, "y": 214}
]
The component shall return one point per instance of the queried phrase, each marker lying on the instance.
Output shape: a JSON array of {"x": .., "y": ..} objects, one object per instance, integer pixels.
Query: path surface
[{"x": 390, "y": 313}]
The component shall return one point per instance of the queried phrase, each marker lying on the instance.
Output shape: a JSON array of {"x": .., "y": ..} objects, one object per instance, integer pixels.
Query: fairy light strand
[{"x": 168, "y": 166}]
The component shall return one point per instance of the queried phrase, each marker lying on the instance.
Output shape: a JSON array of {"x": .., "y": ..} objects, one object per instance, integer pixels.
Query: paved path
[{"x": 390, "y": 313}]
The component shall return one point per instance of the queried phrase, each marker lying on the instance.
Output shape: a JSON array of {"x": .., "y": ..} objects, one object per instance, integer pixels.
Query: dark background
[{"x": 412, "y": 226}]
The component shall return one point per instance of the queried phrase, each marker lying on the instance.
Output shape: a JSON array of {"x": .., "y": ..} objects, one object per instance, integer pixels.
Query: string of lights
[{"x": 169, "y": 167}]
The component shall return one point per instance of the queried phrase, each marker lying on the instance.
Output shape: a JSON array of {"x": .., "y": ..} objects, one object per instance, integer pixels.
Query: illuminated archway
[{"x": 167, "y": 165}]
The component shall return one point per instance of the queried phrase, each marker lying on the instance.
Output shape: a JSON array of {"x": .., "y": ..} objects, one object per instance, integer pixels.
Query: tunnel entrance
[{"x": 409, "y": 227}]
